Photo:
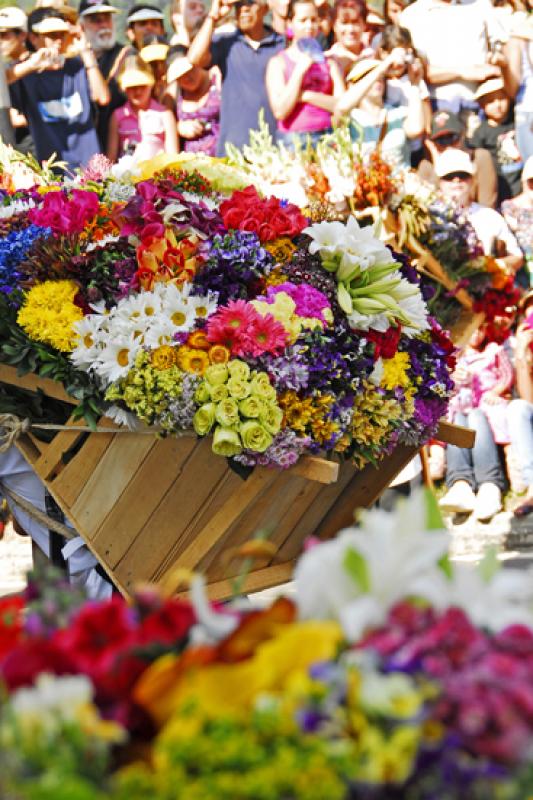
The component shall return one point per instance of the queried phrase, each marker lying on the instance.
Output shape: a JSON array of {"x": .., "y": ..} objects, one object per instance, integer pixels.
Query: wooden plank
[
  {"x": 72, "y": 479},
  {"x": 34, "y": 382},
  {"x": 363, "y": 490},
  {"x": 316, "y": 469},
  {"x": 455, "y": 434},
  {"x": 219, "y": 524},
  {"x": 256, "y": 581},
  {"x": 131, "y": 514},
  {"x": 50, "y": 461},
  {"x": 181, "y": 504},
  {"x": 27, "y": 447},
  {"x": 115, "y": 470}
]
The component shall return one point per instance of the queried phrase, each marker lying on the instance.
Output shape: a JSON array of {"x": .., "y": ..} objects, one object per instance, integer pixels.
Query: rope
[
  {"x": 37, "y": 514},
  {"x": 11, "y": 427}
]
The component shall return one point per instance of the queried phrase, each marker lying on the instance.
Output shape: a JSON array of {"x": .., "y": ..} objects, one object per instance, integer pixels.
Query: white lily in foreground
[{"x": 357, "y": 577}]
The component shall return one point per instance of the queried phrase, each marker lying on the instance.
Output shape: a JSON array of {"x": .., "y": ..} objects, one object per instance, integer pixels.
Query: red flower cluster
[
  {"x": 386, "y": 344},
  {"x": 66, "y": 214},
  {"x": 11, "y": 609},
  {"x": 269, "y": 219},
  {"x": 441, "y": 339}
]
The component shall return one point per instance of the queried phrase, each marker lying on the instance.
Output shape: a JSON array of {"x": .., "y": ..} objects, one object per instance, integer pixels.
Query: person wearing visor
[
  {"x": 197, "y": 105},
  {"x": 13, "y": 49},
  {"x": 97, "y": 21},
  {"x": 154, "y": 52},
  {"x": 142, "y": 21},
  {"x": 142, "y": 127},
  {"x": 456, "y": 181},
  {"x": 55, "y": 93},
  {"x": 242, "y": 57}
]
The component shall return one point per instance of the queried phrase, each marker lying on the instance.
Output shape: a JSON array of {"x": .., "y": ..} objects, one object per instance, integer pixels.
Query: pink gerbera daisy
[
  {"x": 230, "y": 325},
  {"x": 266, "y": 335}
]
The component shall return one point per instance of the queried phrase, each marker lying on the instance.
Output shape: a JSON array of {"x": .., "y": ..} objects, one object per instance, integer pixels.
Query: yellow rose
[
  {"x": 227, "y": 413},
  {"x": 226, "y": 442},
  {"x": 251, "y": 407},
  {"x": 254, "y": 436},
  {"x": 216, "y": 374},
  {"x": 203, "y": 393},
  {"x": 239, "y": 389},
  {"x": 219, "y": 393},
  {"x": 239, "y": 369},
  {"x": 271, "y": 418},
  {"x": 204, "y": 419}
]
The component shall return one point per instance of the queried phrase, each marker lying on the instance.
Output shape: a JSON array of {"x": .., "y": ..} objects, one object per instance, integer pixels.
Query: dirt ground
[{"x": 15, "y": 561}]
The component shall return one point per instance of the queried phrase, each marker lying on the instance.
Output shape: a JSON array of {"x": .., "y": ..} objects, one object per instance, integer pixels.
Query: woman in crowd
[
  {"x": 374, "y": 121},
  {"x": 154, "y": 52},
  {"x": 197, "y": 105},
  {"x": 518, "y": 213},
  {"x": 518, "y": 77},
  {"x": 302, "y": 83},
  {"x": 348, "y": 27},
  {"x": 521, "y": 409},
  {"x": 142, "y": 127},
  {"x": 186, "y": 17}
]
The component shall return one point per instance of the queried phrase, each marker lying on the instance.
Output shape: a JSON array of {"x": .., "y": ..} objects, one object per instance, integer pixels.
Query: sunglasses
[
  {"x": 242, "y": 3},
  {"x": 461, "y": 176},
  {"x": 446, "y": 139}
]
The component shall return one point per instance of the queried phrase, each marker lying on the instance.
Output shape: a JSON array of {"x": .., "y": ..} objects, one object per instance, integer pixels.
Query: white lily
[{"x": 360, "y": 575}]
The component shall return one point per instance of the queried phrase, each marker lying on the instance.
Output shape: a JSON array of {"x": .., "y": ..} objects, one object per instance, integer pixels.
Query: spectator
[
  {"x": 279, "y": 10},
  {"x": 496, "y": 133},
  {"x": 521, "y": 409},
  {"x": 447, "y": 131},
  {"x": 456, "y": 171},
  {"x": 54, "y": 92},
  {"x": 519, "y": 83},
  {"x": 142, "y": 127},
  {"x": 518, "y": 214},
  {"x": 302, "y": 83},
  {"x": 349, "y": 18},
  {"x": 374, "y": 122},
  {"x": 242, "y": 57},
  {"x": 96, "y": 18},
  {"x": 456, "y": 40},
  {"x": 154, "y": 52},
  {"x": 143, "y": 20},
  {"x": 198, "y": 106},
  {"x": 13, "y": 49},
  {"x": 186, "y": 17}
]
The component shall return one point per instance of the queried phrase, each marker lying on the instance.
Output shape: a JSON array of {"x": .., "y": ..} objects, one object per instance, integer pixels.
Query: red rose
[{"x": 30, "y": 658}]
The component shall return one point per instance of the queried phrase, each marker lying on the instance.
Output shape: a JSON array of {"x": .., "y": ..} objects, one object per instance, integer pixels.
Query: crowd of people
[{"x": 444, "y": 88}]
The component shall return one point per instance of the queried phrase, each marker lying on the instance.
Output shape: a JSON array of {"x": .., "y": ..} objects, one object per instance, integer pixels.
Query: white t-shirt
[
  {"x": 489, "y": 225},
  {"x": 451, "y": 36}
]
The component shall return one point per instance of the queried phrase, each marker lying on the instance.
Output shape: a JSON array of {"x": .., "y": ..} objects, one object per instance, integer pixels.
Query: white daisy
[
  {"x": 117, "y": 358},
  {"x": 89, "y": 343},
  {"x": 138, "y": 306},
  {"x": 204, "y": 306},
  {"x": 160, "y": 333}
]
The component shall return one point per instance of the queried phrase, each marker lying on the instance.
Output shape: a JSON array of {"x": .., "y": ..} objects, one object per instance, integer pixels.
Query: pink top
[
  {"x": 485, "y": 370},
  {"x": 141, "y": 132},
  {"x": 306, "y": 118}
]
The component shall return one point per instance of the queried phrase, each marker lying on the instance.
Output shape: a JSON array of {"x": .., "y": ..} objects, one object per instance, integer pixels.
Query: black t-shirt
[
  {"x": 106, "y": 62},
  {"x": 57, "y": 105},
  {"x": 500, "y": 141}
]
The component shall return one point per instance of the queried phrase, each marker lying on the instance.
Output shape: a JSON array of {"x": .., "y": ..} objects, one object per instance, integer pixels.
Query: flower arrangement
[
  {"x": 391, "y": 673},
  {"x": 162, "y": 300}
]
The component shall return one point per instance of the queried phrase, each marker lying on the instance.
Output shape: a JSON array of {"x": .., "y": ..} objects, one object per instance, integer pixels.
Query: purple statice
[
  {"x": 288, "y": 371},
  {"x": 337, "y": 361},
  {"x": 181, "y": 411},
  {"x": 309, "y": 302},
  {"x": 234, "y": 265},
  {"x": 284, "y": 452},
  {"x": 13, "y": 250}
]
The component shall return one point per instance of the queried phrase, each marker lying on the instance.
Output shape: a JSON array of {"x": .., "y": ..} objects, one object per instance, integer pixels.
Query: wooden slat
[
  {"x": 112, "y": 475},
  {"x": 455, "y": 434},
  {"x": 131, "y": 514},
  {"x": 256, "y": 581},
  {"x": 50, "y": 461},
  {"x": 71, "y": 481},
  {"x": 33, "y": 382},
  {"x": 316, "y": 469}
]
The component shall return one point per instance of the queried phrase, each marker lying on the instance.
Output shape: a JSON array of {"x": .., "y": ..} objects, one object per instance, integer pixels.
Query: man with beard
[
  {"x": 96, "y": 20},
  {"x": 242, "y": 57}
]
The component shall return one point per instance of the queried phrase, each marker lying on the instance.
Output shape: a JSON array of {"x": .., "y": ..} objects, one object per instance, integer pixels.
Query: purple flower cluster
[
  {"x": 284, "y": 451},
  {"x": 234, "y": 265},
  {"x": 288, "y": 371},
  {"x": 309, "y": 301},
  {"x": 181, "y": 411}
]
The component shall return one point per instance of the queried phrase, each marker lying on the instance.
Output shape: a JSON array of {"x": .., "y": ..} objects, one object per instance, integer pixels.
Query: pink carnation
[
  {"x": 310, "y": 302},
  {"x": 66, "y": 214}
]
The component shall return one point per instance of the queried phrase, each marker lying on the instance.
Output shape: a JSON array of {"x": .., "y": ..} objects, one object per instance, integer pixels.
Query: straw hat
[
  {"x": 155, "y": 48},
  {"x": 179, "y": 67},
  {"x": 135, "y": 73}
]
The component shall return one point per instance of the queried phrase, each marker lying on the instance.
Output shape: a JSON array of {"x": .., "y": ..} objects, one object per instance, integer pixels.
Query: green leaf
[
  {"x": 356, "y": 567},
  {"x": 489, "y": 565},
  {"x": 434, "y": 521},
  {"x": 445, "y": 565}
]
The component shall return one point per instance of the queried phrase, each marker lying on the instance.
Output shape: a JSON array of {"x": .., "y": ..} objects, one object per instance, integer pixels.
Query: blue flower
[{"x": 13, "y": 250}]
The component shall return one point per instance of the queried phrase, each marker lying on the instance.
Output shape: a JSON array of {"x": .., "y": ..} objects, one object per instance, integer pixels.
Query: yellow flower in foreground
[
  {"x": 48, "y": 314},
  {"x": 164, "y": 357},
  {"x": 395, "y": 371},
  {"x": 388, "y": 758},
  {"x": 218, "y": 689}
]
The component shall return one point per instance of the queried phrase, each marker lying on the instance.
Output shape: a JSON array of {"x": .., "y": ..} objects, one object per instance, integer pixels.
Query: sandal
[{"x": 524, "y": 508}]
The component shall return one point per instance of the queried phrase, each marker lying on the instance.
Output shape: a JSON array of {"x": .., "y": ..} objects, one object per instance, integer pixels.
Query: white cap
[
  {"x": 454, "y": 160},
  {"x": 143, "y": 14},
  {"x": 488, "y": 87},
  {"x": 177, "y": 68},
  {"x": 51, "y": 25},
  {"x": 12, "y": 18}
]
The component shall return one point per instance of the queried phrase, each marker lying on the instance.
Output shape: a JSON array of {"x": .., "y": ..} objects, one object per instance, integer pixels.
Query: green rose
[
  {"x": 219, "y": 393},
  {"x": 271, "y": 418},
  {"x": 204, "y": 419},
  {"x": 239, "y": 369},
  {"x": 262, "y": 387},
  {"x": 216, "y": 374},
  {"x": 239, "y": 389},
  {"x": 254, "y": 436},
  {"x": 226, "y": 442},
  {"x": 251, "y": 406},
  {"x": 202, "y": 394},
  {"x": 227, "y": 413}
]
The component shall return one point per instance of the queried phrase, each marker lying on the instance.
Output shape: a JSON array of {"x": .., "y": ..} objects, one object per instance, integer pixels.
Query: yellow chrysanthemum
[
  {"x": 48, "y": 314},
  {"x": 193, "y": 360},
  {"x": 395, "y": 371},
  {"x": 164, "y": 357},
  {"x": 281, "y": 250}
]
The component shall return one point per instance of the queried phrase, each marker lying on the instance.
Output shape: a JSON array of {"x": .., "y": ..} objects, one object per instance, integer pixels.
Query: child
[
  {"x": 142, "y": 127},
  {"x": 496, "y": 133}
]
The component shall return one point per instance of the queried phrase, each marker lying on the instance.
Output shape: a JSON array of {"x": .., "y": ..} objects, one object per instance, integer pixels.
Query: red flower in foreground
[
  {"x": 30, "y": 658},
  {"x": 269, "y": 219},
  {"x": 11, "y": 609}
]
